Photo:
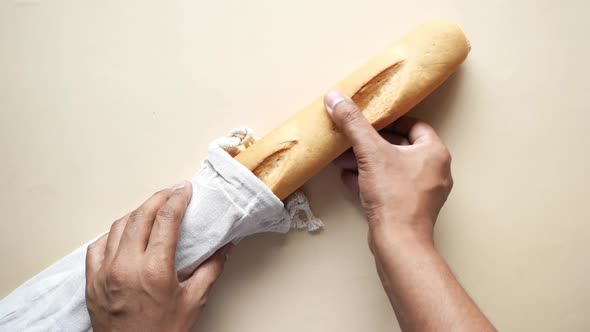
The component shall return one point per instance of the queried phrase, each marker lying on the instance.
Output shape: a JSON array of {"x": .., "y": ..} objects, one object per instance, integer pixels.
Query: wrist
[{"x": 395, "y": 231}]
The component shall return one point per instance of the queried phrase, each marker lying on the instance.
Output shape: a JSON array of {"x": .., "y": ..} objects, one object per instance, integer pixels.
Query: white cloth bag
[{"x": 228, "y": 203}]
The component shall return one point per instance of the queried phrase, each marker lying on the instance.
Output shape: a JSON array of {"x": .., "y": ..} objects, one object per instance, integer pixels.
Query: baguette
[{"x": 385, "y": 88}]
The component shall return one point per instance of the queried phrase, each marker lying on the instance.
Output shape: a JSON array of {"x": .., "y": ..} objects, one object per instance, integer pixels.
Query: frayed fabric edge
[
  {"x": 299, "y": 210},
  {"x": 297, "y": 204}
]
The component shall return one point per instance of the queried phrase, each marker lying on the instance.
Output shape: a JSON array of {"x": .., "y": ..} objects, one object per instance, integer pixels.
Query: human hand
[
  {"x": 131, "y": 280},
  {"x": 403, "y": 175}
]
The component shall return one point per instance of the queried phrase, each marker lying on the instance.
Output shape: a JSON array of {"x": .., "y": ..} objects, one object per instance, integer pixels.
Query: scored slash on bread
[{"x": 385, "y": 88}]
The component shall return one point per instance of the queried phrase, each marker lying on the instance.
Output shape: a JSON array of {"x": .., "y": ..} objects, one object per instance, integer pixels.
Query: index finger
[
  {"x": 415, "y": 130},
  {"x": 166, "y": 227}
]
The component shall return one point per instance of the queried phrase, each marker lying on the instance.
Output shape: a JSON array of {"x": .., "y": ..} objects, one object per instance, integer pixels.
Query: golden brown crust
[{"x": 385, "y": 88}]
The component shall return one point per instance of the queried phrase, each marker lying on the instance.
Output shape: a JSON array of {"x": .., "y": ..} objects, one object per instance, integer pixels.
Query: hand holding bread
[{"x": 385, "y": 88}]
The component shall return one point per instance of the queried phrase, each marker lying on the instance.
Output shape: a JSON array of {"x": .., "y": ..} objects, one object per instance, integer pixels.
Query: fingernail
[
  {"x": 179, "y": 185},
  {"x": 332, "y": 99}
]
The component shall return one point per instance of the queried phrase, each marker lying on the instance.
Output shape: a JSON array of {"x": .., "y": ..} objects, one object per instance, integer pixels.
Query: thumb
[
  {"x": 350, "y": 120},
  {"x": 198, "y": 285}
]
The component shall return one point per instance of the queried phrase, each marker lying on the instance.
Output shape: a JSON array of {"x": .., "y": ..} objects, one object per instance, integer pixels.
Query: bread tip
[{"x": 454, "y": 25}]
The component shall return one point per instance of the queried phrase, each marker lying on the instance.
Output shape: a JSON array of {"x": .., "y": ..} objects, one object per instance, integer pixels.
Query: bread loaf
[{"x": 385, "y": 88}]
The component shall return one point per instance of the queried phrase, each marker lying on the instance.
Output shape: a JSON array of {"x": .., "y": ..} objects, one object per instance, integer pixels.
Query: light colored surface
[{"x": 103, "y": 103}]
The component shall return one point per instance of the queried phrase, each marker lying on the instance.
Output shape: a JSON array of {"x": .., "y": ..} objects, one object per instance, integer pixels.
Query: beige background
[{"x": 104, "y": 102}]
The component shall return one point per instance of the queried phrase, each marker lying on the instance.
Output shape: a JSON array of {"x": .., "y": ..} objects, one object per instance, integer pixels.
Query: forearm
[
  {"x": 406, "y": 170},
  {"x": 424, "y": 293}
]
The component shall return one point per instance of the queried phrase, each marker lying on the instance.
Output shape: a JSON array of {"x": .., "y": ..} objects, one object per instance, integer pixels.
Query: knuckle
[
  {"x": 116, "y": 304},
  {"x": 153, "y": 269},
  {"x": 425, "y": 127},
  {"x": 116, "y": 275},
  {"x": 348, "y": 114},
  {"x": 366, "y": 163},
  {"x": 160, "y": 192},
  {"x": 445, "y": 155},
  {"x": 96, "y": 247},
  {"x": 421, "y": 124},
  {"x": 137, "y": 213},
  {"x": 442, "y": 154},
  {"x": 168, "y": 213},
  {"x": 446, "y": 184},
  {"x": 92, "y": 248},
  {"x": 118, "y": 224},
  {"x": 181, "y": 193}
]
